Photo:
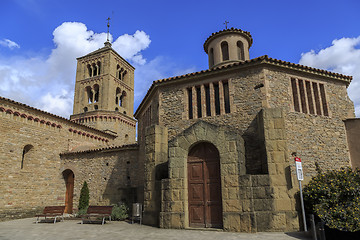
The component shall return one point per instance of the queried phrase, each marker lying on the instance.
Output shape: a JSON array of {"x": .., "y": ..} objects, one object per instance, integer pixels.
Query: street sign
[{"x": 299, "y": 170}]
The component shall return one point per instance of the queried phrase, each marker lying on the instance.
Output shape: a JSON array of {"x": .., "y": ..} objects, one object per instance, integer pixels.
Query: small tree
[
  {"x": 334, "y": 197},
  {"x": 84, "y": 197}
]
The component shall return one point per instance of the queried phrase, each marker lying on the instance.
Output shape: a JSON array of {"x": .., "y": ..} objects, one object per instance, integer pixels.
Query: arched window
[
  {"x": 118, "y": 71},
  {"x": 225, "y": 51},
  {"x": 96, "y": 93},
  {"x": 94, "y": 69},
  {"x": 89, "y": 70},
  {"x": 89, "y": 94},
  {"x": 211, "y": 57},
  {"x": 122, "y": 99},
  {"x": 240, "y": 48},
  {"x": 117, "y": 96},
  {"x": 123, "y": 75},
  {"x": 25, "y": 154}
]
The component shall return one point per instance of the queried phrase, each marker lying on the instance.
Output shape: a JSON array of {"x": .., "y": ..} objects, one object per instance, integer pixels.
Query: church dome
[{"x": 228, "y": 46}]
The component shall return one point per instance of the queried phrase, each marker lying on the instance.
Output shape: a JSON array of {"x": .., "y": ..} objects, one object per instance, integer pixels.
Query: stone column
[
  {"x": 212, "y": 100},
  {"x": 194, "y": 102},
  {"x": 203, "y": 101},
  {"x": 156, "y": 153},
  {"x": 284, "y": 216},
  {"x": 221, "y": 96}
]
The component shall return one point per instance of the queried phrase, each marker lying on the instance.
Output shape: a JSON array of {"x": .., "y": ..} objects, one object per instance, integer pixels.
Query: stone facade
[
  {"x": 251, "y": 113},
  {"x": 30, "y": 167}
]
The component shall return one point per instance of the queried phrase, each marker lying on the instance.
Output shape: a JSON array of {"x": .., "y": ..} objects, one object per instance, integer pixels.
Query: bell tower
[{"x": 104, "y": 94}]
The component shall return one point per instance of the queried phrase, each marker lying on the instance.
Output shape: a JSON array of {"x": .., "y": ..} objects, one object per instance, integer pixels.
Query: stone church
[{"x": 213, "y": 148}]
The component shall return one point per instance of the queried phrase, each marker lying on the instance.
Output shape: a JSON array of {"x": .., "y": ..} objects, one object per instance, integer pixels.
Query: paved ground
[{"x": 72, "y": 229}]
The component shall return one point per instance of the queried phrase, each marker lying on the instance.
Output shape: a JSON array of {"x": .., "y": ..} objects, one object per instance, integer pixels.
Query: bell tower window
[
  {"x": 240, "y": 48},
  {"x": 89, "y": 94},
  {"x": 211, "y": 57},
  {"x": 89, "y": 70},
  {"x": 96, "y": 91},
  {"x": 225, "y": 51}
]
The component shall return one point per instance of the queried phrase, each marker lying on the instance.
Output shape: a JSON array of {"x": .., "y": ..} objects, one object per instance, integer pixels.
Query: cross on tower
[
  {"x": 226, "y": 22},
  {"x": 108, "y": 26}
]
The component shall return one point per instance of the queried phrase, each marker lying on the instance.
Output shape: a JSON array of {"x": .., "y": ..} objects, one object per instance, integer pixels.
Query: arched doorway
[
  {"x": 69, "y": 182},
  {"x": 204, "y": 186}
]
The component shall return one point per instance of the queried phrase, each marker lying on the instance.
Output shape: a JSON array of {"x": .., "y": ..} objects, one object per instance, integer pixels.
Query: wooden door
[
  {"x": 204, "y": 184},
  {"x": 69, "y": 180}
]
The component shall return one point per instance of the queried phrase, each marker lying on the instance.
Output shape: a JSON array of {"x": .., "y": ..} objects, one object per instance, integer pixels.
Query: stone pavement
[{"x": 72, "y": 229}]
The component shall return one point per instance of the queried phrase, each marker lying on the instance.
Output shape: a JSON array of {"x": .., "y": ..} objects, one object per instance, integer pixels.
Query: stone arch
[
  {"x": 230, "y": 145},
  {"x": 69, "y": 178}
]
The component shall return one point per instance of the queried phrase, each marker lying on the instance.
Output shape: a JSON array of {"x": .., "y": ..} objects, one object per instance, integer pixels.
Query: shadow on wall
[
  {"x": 123, "y": 185},
  {"x": 255, "y": 152}
]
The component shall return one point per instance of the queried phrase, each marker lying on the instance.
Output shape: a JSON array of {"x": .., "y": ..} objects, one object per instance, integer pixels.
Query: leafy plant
[
  {"x": 119, "y": 212},
  {"x": 84, "y": 197},
  {"x": 334, "y": 197},
  {"x": 82, "y": 212}
]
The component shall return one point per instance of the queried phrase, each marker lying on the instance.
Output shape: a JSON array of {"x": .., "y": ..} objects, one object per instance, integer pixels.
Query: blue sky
[{"x": 40, "y": 40}]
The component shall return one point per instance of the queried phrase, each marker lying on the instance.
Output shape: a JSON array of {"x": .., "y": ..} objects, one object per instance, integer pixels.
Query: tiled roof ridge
[
  {"x": 264, "y": 58},
  {"x": 234, "y": 30},
  {"x": 52, "y": 115},
  {"x": 102, "y": 149}
]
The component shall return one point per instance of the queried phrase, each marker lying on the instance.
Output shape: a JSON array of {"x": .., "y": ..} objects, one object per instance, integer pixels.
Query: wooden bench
[
  {"x": 52, "y": 212},
  {"x": 97, "y": 212}
]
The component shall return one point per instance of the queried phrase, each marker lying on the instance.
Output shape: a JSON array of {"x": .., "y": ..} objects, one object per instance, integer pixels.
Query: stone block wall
[
  {"x": 315, "y": 138},
  {"x": 33, "y": 179},
  {"x": 282, "y": 213},
  {"x": 155, "y": 168},
  {"x": 111, "y": 174}
]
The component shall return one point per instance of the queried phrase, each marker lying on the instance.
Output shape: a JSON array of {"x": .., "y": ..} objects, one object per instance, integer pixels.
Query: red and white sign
[{"x": 299, "y": 170}]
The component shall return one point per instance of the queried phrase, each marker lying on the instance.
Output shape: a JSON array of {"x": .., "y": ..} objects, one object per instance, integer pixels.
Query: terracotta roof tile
[
  {"x": 52, "y": 115},
  {"x": 111, "y": 148},
  {"x": 229, "y": 30}
]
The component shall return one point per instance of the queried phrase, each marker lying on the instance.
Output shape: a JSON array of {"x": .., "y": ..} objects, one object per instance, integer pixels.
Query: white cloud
[
  {"x": 48, "y": 82},
  {"x": 8, "y": 43},
  {"x": 343, "y": 56}
]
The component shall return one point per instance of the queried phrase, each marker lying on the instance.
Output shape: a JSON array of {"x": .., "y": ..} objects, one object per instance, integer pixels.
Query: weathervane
[
  {"x": 226, "y": 22},
  {"x": 108, "y": 27}
]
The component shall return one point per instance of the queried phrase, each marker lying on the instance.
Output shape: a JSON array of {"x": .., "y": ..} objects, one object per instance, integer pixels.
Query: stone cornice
[{"x": 263, "y": 60}]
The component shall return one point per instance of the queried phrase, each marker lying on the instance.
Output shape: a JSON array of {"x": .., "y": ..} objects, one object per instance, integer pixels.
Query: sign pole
[
  {"x": 300, "y": 177},
  {"x": 302, "y": 206}
]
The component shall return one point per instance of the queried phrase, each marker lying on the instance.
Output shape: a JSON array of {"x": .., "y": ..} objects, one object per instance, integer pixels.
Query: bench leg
[
  {"x": 109, "y": 218},
  {"x": 103, "y": 221},
  {"x": 37, "y": 220},
  {"x": 55, "y": 220}
]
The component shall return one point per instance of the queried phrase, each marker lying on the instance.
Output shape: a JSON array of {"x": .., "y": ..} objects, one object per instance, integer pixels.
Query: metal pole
[{"x": 302, "y": 206}]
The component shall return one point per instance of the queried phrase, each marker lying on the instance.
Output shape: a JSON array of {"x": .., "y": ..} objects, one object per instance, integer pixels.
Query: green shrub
[
  {"x": 84, "y": 197},
  {"x": 334, "y": 197},
  {"x": 119, "y": 212},
  {"x": 82, "y": 212}
]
